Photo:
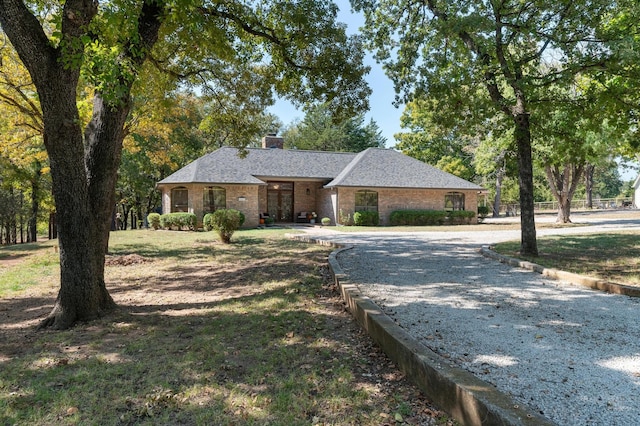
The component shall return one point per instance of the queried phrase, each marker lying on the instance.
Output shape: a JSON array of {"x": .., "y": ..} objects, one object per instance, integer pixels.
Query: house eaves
[
  {"x": 225, "y": 166},
  {"x": 386, "y": 168}
]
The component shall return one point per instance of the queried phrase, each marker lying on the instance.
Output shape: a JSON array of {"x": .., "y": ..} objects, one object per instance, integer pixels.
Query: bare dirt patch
[
  {"x": 125, "y": 260},
  {"x": 207, "y": 333}
]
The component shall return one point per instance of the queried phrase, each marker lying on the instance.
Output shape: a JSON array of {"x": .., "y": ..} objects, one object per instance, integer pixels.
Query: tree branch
[
  {"x": 258, "y": 30},
  {"x": 29, "y": 39},
  {"x": 490, "y": 77}
]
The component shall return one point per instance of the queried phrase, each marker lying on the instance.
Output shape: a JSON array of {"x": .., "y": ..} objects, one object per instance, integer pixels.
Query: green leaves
[{"x": 296, "y": 50}]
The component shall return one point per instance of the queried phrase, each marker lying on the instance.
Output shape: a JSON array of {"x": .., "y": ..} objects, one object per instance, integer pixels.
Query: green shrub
[
  {"x": 326, "y": 221},
  {"x": 483, "y": 212},
  {"x": 430, "y": 217},
  {"x": 457, "y": 217},
  {"x": 366, "y": 218},
  {"x": 225, "y": 222},
  {"x": 154, "y": 220},
  {"x": 178, "y": 221},
  {"x": 207, "y": 222},
  {"x": 345, "y": 218},
  {"x": 417, "y": 217}
]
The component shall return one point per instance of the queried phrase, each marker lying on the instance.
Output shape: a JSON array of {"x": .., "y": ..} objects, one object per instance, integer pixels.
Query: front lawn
[
  {"x": 205, "y": 334},
  {"x": 612, "y": 256}
]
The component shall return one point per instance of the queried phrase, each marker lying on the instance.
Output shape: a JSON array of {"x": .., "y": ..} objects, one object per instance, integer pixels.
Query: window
[
  {"x": 179, "y": 200},
  {"x": 214, "y": 198},
  {"x": 454, "y": 201},
  {"x": 366, "y": 201}
]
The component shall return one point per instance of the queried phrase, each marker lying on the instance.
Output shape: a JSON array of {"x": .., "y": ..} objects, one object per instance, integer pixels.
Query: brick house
[{"x": 288, "y": 185}]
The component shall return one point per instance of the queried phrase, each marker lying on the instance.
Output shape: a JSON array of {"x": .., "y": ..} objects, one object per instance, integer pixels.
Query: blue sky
[{"x": 382, "y": 111}]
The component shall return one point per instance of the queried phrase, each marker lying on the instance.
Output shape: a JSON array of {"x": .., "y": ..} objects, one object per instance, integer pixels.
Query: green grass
[
  {"x": 206, "y": 334},
  {"x": 39, "y": 266},
  {"x": 613, "y": 256}
]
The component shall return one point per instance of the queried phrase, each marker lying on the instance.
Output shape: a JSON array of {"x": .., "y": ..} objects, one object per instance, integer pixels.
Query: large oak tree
[
  {"x": 295, "y": 47},
  {"x": 511, "y": 49}
]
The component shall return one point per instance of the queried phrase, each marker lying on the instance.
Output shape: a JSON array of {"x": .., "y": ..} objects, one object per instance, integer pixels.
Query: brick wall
[
  {"x": 304, "y": 197},
  {"x": 240, "y": 197},
  {"x": 262, "y": 199},
  {"x": 245, "y": 199},
  {"x": 252, "y": 199},
  {"x": 391, "y": 199}
]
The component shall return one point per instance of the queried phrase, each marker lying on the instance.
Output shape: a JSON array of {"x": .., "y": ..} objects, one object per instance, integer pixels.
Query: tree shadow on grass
[
  {"x": 245, "y": 248},
  {"x": 271, "y": 356},
  {"x": 258, "y": 340}
]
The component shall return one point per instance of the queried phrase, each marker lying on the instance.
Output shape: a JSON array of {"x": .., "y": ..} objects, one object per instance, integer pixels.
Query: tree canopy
[
  {"x": 510, "y": 50},
  {"x": 322, "y": 130},
  {"x": 296, "y": 50}
]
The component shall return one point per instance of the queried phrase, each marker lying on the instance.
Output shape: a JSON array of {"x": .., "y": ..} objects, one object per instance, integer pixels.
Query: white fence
[{"x": 513, "y": 209}]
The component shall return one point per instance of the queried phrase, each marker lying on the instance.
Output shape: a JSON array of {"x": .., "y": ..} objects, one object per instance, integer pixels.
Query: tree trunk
[
  {"x": 53, "y": 228},
  {"x": 497, "y": 200},
  {"x": 563, "y": 184},
  {"x": 83, "y": 170},
  {"x": 125, "y": 216},
  {"x": 12, "y": 227},
  {"x": 83, "y": 295},
  {"x": 564, "y": 211},
  {"x": 528, "y": 242},
  {"x": 139, "y": 216},
  {"x": 589, "y": 170},
  {"x": 21, "y": 217},
  {"x": 32, "y": 233}
]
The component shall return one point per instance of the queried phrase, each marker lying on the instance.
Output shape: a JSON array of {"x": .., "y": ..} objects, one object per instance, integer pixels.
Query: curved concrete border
[
  {"x": 590, "y": 282},
  {"x": 466, "y": 398}
]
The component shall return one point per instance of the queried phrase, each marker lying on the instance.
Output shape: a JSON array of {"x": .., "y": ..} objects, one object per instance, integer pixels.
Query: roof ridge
[
  {"x": 345, "y": 172},
  {"x": 257, "y": 148}
]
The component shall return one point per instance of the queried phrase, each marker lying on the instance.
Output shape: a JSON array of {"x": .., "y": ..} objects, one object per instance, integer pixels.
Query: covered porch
[{"x": 294, "y": 201}]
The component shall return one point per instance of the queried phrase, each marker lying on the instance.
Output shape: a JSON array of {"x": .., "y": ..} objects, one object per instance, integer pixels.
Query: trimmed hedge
[
  {"x": 417, "y": 217},
  {"x": 458, "y": 217},
  {"x": 366, "y": 218},
  {"x": 178, "y": 220},
  {"x": 429, "y": 217}
]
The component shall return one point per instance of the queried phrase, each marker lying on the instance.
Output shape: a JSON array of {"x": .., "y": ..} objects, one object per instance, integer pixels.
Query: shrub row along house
[{"x": 293, "y": 185}]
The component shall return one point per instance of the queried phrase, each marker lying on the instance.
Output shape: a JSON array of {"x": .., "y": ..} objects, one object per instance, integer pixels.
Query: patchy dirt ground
[
  {"x": 143, "y": 287},
  {"x": 125, "y": 260}
]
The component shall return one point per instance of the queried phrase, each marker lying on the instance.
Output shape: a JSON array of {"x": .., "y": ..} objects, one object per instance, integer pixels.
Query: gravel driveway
[{"x": 569, "y": 353}]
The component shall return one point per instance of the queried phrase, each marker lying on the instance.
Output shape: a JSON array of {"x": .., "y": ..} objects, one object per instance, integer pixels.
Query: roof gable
[{"x": 386, "y": 168}]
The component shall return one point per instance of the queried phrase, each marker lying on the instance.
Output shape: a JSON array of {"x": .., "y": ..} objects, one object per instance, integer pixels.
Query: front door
[{"x": 280, "y": 201}]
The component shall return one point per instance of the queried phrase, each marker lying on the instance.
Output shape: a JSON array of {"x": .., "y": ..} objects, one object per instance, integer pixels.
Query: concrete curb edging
[
  {"x": 590, "y": 282},
  {"x": 465, "y": 397}
]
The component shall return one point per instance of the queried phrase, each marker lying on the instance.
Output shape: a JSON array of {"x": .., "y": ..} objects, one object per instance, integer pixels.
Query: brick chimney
[{"x": 273, "y": 141}]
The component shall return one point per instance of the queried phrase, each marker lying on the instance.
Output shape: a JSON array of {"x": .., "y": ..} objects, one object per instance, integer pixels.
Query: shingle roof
[
  {"x": 225, "y": 166},
  {"x": 373, "y": 167},
  {"x": 386, "y": 168}
]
